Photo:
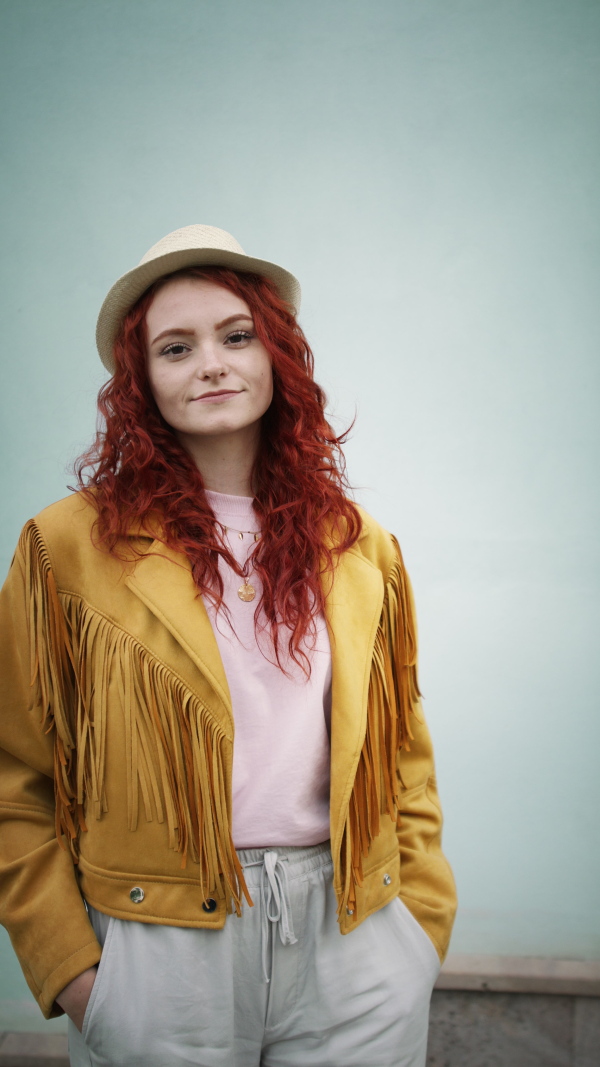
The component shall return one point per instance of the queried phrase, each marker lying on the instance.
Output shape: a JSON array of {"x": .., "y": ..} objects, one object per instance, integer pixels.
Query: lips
[{"x": 222, "y": 394}]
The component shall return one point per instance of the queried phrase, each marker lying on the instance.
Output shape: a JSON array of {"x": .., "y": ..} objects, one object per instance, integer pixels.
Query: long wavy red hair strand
[{"x": 138, "y": 473}]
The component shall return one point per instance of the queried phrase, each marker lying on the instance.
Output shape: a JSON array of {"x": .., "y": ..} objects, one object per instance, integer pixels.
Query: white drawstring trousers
[{"x": 277, "y": 987}]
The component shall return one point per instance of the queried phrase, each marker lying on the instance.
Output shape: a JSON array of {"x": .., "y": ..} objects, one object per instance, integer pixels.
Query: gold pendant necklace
[{"x": 246, "y": 592}]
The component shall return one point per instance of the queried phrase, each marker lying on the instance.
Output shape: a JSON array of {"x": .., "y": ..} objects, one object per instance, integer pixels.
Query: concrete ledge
[
  {"x": 520, "y": 974},
  {"x": 473, "y": 1029},
  {"x": 33, "y": 1050}
]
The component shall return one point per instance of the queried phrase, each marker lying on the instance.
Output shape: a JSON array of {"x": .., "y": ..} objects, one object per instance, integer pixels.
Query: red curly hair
[{"x": 139, "y": 472}]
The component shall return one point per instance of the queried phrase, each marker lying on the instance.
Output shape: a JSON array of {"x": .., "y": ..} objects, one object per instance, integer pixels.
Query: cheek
[
  {"x": 163, "y": 389},
  {"x": 154, "y": 382},
  {"x": 267, "y": 384},
  {"x": 264, "y": 395}
]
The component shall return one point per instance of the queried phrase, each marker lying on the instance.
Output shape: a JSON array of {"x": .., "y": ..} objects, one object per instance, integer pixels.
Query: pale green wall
[{"x": 429, "y": 169}]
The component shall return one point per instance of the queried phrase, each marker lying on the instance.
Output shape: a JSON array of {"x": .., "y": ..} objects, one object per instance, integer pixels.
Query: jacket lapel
[
  {"x": 162, "y": 579},
  {"x": 353, "y": 610}
]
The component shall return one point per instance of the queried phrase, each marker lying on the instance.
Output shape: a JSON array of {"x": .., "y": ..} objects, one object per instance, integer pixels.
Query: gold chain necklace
[{"x": 246, "y": 592}]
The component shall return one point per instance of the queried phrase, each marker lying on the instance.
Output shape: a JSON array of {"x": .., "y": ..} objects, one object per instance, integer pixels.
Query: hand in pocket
[{"x": 73, "y": 999}]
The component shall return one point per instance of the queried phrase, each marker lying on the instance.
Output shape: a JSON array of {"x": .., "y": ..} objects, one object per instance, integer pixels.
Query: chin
[{"x": 216, "y": 429}]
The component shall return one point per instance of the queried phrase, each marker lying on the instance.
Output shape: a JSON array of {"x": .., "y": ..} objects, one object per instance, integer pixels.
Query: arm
[
  {"x": 40, "y": 902},
  {"x": 427, "y": 885},
  {"x": 74, "y": 997}
]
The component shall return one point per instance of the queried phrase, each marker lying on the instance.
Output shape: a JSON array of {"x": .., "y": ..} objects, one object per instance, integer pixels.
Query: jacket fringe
[
  {"x": 393, "y": 696},
  {"x": 175, "y": 751}
]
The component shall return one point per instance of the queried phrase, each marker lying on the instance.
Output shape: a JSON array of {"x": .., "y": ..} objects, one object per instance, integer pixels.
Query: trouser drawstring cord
[{"x": 276, "y": 908}]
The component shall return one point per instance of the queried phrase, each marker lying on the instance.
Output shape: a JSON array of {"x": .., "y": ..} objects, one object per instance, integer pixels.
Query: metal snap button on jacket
[
  {"x": 209, "y": 905},
  {"x": 137, "y": 895},
  {"x": 349, "y": 911},
  {"x": 387, "y": 880}
]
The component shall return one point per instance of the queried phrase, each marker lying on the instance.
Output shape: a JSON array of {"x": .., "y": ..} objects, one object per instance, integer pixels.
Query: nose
[{"x": 211, "y": 361}]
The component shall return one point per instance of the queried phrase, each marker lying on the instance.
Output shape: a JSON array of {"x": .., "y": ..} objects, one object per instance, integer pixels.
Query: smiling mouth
[{"x": 223, "y": 394}]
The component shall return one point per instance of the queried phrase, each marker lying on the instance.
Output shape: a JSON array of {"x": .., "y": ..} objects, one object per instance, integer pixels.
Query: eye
[
  {"x": 238, "y": 337},
  {"x": 175, "y": 350}
]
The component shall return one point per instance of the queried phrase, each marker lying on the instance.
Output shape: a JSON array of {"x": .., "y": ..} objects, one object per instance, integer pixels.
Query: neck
[{"x": 225, "y": 462}]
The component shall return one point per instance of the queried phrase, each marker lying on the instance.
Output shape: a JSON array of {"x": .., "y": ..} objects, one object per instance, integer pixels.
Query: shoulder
[
  {"x": 64, "y": 539},
  {"x": 62, "y": 535},
  {"x": 376, "y": 544},
  {"x": 67, "y": 520}
]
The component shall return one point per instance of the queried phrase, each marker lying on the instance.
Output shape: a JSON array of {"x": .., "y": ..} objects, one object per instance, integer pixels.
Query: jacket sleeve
[
  {"x": 40, "y": 902},
  {"x": 427, "y": 884}
]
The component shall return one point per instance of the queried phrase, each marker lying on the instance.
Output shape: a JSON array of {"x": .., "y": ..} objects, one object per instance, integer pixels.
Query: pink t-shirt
[{"x": 281, "y": 747}]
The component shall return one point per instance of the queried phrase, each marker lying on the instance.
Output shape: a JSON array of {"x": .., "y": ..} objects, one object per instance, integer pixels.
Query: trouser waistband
[
  {"x": 275, "y": 868},
  {"x": 299, "y": 859}
]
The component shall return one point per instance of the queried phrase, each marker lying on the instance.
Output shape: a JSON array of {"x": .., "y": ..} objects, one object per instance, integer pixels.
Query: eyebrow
[
  {"x": 174, "y": 332},
  {"x": 178, "y": 332},
  {"x": 232, "y": 318}
]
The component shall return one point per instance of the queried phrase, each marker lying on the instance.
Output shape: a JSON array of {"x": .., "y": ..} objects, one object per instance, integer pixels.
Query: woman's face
[{"x": 208, "y": 372}]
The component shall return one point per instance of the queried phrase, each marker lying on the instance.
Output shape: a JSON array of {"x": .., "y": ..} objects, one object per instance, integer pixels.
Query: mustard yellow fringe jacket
[{"x": 116, "y": 746}]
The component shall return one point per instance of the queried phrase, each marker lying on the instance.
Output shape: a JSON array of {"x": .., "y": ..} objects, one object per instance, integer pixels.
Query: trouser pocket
[
  {"x": 417, "y": 940},
  {"x": 97, "y": 995}
]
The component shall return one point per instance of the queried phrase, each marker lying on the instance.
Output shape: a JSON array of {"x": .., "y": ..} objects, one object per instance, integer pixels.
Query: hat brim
[{"x": 129, "y": 288}]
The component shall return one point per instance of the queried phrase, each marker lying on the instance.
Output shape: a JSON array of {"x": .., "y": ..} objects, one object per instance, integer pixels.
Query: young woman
[{"x": 221, "y": 833}]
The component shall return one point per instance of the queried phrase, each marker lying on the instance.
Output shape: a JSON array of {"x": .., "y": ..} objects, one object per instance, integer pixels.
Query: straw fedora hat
[{"x": 191, "y": 246}]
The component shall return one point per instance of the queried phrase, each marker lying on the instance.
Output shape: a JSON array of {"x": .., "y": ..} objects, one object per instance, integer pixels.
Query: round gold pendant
[{"x": 246, "y": 592}]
